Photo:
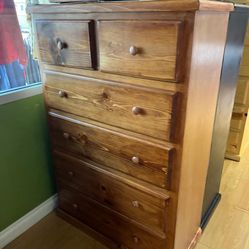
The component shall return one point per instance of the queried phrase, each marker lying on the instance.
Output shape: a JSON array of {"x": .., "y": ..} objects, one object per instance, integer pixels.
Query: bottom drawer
[{"x": 112, "y": 225}]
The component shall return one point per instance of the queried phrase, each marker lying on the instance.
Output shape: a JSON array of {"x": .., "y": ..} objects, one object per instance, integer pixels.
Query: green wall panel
[{"x": 26, "y": 175}]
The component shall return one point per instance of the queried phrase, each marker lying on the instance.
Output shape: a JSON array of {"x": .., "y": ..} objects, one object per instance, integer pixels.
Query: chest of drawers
[{"x": 131, "y": 91}]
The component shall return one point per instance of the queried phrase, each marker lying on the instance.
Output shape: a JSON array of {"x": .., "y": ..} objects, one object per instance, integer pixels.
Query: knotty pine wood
[
  {"x": 156, "y": 57},
  {"x": 210, "y": 28},
  {"x": 200, "y": 82},
  {"x": 242, "y": 92},
  {"x": 75, "y": 36},
  {"x": 143, "y": 6},
  {"x": 79, "y": 120},
  {"x": 115, "y": 150},
  {"x": 124, "y": 232},
  {"x": 168, "y": 86},
  {"x": 238, "y": 136},
  {"x": 228, "y": 227},
  {"x": 113, "y": 103},
  {"x": 134, "y": 183},
  {"x": 135, "y": 204}
]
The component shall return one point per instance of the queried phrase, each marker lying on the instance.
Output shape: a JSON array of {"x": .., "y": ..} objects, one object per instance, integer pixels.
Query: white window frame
[{"x": 22, "y": 93}]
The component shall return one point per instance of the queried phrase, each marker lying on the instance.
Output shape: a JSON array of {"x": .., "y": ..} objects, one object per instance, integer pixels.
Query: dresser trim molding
[{"x": 128, "y": 6}]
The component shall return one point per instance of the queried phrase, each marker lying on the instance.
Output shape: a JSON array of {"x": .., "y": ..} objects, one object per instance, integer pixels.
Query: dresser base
[{"x": 206, "y": 217}]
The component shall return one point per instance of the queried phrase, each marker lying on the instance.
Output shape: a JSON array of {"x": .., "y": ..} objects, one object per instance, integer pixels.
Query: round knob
[
  {"x": 135, "y": 204},
  {"x": 75, "y": 206},
  {"x": 135, "y": 239},
  {"x": 60, "y": 44},
  {"x": 66, "y": 135},
  {"x": 135, "y": 159},
  {"x": 62, "y": 94},
  {"x": 137, "y": 110},
  {"x": 133, "y": 50},
  {"x": 70, "y": 173}
]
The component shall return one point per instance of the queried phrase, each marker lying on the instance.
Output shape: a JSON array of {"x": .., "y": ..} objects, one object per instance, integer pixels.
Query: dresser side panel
[{"x": 207, "y": 55}]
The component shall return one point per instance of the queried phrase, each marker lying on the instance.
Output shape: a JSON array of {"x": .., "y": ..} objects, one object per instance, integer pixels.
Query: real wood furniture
[
  {"x": 131, "y": 91},
  {"x": 238, "y": 139},
  {"x": 227, "y": 229},
  {"x": 230, "y": 70}
]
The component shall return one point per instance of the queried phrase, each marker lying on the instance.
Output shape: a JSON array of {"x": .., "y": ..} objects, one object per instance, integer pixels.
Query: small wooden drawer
[
  {"x": 124, "y": 232},
  {"x": 100, "y": 185},
  {"x": 138, "y": 158},
  {"x": 146, "y": 111},
  {"x": 147, "y": 48},
  {"x": 67, "y": 43}
]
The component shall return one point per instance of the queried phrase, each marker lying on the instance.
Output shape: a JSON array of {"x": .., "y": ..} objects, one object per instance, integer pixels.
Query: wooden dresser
[
  {"x": 238, "y": 139},
  {"x": 131, "y": 91}
]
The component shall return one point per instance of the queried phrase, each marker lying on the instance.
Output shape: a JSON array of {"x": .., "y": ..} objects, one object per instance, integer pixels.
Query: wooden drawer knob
[
  {"x": 135, "y": 204},
  {"x": 62, "y": 94},
  {"x": 137, "y": 110},
  {"x": 135, "y": 159},
  {"x": 75, "y": 206},
  {"x": 133, "y": 50},
  {"x": 60, "y": 45},
  {"x": 70, "y": 173},
  {"x": 135, "y": 239},
  {"x": 66, "y": 135}
]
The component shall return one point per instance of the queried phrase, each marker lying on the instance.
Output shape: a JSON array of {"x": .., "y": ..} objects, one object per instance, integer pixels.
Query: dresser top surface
[{"x": 133, "y": 6}]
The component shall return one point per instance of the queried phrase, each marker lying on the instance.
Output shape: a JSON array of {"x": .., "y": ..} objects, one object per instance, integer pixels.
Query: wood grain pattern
[
  {"x": 207, "y": 55},
  {"x": 75, "y": 38},
  {"x": 112, "y": 104},
  {"x": 162, "y": 85},
  {"x": 145, "y": 187},
  {"x": 234, "y": 142},
  {"x": 79, "y": 120},
  {"x": 242, "y": 93},
  {"x": 138, "y": 109},
  {"x": 112, "y": 225},
  {"x": 205, "y": 5},
  {"x": 238, "y": 133},
  {"x": 228, "y": 227},
  {"x": 237, "y": 121},
  {"x": 114, "y": 150},
  {"x": 137, "y": 205},
  {"x": 129, "y": 6},
  {"x": 156, "y": 43}
]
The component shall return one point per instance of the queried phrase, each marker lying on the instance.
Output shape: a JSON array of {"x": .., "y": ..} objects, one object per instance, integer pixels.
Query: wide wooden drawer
[
  {"x": 100, "y": 185},
  {"x": 148, "y": 48},
  {"x": 144, "y": 160},
  {"x": 125, "y": 233},
  {"x": 145, "y": 111},
  {"x": 68, "y": 43}
]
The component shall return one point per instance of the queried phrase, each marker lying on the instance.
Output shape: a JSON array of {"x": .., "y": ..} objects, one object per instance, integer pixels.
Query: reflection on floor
[{"x": 228, "y": 228}]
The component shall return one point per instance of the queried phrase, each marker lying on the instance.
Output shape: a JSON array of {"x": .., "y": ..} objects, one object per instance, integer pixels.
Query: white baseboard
[{"x": 27, "y": 221}]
